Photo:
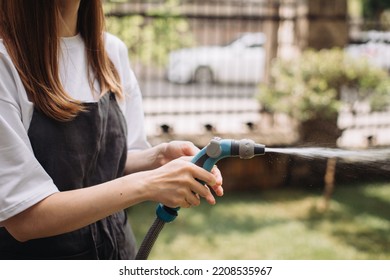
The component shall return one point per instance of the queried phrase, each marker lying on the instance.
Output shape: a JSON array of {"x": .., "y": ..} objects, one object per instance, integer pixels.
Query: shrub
[
  {"x": 150, "y": 41},
  {"x": 310, "y": 86}
]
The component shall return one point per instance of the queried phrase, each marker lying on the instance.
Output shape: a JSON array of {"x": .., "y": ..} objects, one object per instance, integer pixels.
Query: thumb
[{"x": 189, "y": 149}]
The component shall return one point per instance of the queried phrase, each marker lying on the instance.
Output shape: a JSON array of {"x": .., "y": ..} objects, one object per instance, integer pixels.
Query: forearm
[
  {"x": 174, "y": 181},
  {"x": 67, "y": 211}
]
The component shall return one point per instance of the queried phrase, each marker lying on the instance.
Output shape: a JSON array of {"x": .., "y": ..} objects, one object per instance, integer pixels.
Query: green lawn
[{"x": 277, "y": 225}]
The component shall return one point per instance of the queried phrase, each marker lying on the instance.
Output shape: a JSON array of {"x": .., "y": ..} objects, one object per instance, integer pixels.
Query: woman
[{"x": 73, "y": 153}]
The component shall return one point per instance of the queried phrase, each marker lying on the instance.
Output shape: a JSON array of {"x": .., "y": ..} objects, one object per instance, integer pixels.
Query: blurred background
[{"x": 285, "y": 73}]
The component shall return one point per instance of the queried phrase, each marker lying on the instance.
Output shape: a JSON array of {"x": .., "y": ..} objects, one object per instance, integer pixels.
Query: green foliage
[
  {"x": 309, "y": 86},
  {"x": 150, "y": 41},
  {"x": 373, "y": 8}
]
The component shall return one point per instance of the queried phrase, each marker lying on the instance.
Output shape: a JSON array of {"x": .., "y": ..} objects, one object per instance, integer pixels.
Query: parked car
[
  {"x": 241, "y": 61},
  {"x": 374, "y": 46}
]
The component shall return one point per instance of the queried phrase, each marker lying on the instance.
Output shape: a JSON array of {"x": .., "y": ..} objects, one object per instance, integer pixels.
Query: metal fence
[{"x": 192, "y": 109}]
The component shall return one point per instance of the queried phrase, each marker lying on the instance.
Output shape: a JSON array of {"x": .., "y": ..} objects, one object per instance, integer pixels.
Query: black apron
[{"x": 89, "y": 150}]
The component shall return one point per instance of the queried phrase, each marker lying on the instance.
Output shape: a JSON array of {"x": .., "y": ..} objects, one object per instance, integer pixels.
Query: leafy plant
[
  {"x": 374, "y": 8},
  {"x": 150, "y": 41},
  {"x": 310, "y": 86}
]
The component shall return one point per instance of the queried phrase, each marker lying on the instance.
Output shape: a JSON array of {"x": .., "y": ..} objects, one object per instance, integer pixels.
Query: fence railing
[{"x": 224, "y": 108}]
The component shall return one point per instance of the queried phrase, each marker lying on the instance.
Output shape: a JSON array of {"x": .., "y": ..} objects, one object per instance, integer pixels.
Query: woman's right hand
[{"x": 176, "y": 184}]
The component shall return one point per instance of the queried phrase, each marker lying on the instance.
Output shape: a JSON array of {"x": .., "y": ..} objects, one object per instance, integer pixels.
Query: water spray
[
  {"x": 216, "y": 150},
  {"x": 367, "y": 155}
]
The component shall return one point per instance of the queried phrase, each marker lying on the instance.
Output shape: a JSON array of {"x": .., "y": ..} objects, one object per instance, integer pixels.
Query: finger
[
  {"x": 202, "y": 190},
  {"x": 198, "y": 186},
  {"x": 218, "y": 176},
  {"x": 189, "y": 149},
  {"x": 205, "y": 176},
  {"x": 186, "y": 158},
  {"x": 193, "y": 199},
  {"x": 186, "y": 204}
]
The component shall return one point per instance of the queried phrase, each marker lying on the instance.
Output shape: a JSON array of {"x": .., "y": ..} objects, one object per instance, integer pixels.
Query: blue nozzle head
[{"x": 219, "y": 148}]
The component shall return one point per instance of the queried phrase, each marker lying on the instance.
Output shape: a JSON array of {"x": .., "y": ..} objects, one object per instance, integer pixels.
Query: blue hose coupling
[{"x": 166, "y": 214}]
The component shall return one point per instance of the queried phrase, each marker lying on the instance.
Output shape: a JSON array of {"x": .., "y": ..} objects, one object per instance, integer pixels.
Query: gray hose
[{"x": 150, "y": 239}]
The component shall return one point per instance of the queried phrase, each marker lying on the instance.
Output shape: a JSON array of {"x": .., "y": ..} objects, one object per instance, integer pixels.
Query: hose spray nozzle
[
  {"x": 219, "y": 148},
  {"x": 216, "y": 150}
]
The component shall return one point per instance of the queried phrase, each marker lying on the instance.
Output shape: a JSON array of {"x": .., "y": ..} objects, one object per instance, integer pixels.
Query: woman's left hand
[{"x": 175, "y": 149}]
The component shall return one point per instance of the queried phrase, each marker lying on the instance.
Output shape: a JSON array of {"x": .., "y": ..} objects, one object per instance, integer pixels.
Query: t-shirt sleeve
[
  {"x": 134, "y": 114},
  {"x": 23, "y": 181},
  {"x": 133, "y": 106}
]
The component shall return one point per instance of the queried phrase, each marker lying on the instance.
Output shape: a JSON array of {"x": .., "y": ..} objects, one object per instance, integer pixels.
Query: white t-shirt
[{"x": 23, "y": 181}]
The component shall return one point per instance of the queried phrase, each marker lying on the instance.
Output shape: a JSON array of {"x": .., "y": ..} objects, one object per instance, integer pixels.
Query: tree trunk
[
  {"x": 319, "y": 132},
  {"x": 323, "y": 133}
]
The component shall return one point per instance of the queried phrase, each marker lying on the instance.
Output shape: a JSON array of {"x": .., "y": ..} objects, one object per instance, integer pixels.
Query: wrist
[{"x": 139, "y": 188}]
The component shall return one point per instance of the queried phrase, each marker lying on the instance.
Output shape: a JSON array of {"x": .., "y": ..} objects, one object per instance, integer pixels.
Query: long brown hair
[{"x": 29, "y": 29}]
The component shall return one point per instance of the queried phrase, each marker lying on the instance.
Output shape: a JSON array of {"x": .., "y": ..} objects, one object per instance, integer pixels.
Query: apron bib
[{"x": 89, "y": 150}]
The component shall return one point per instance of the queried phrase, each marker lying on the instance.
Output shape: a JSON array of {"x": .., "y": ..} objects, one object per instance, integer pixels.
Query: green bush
[
  {"x": 150, "y": 41},
  {"x": 309, "y": 86}
]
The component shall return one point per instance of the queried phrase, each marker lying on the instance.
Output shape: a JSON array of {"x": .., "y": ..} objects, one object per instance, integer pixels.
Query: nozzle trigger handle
[{"x": 206, "y": 158}]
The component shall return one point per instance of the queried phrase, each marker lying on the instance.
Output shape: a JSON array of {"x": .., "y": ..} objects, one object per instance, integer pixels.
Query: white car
[
  {"x": 375, "y": 49},
  {"x": 241, "y": 61}
]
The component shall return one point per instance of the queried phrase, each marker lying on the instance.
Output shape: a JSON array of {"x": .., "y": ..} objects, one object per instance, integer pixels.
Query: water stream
[{"x": 369, "y": 155}]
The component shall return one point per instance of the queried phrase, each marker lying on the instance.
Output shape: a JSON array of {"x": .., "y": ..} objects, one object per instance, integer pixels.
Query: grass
[{"x": 277, "y": 225}]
